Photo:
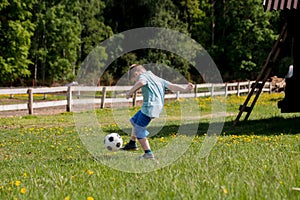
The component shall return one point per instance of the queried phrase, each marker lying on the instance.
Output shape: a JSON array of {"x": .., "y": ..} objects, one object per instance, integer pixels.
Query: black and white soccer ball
[{"x": 113, "y": 142}]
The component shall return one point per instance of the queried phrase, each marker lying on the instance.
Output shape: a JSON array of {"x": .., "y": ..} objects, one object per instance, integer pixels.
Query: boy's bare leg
[
  {"x": 146, "y": 147},
  {"x": 131, "y": 145},
  {"x": 145, "y": 144},
  {"x": 133, "y": 138}
]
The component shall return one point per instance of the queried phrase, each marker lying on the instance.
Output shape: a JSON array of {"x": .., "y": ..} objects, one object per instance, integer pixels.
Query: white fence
[{"x": 75, "y": 95}]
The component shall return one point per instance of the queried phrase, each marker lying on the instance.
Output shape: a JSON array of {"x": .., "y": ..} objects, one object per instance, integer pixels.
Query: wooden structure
[
  {"x": 281, "y": 4},
  {"x": 290, "y": 9},
  {"x": 261, "y": 79}
]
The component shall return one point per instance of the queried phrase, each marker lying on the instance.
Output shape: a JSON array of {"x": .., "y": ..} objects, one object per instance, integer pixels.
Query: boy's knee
[{"x": 140, "y": 132}]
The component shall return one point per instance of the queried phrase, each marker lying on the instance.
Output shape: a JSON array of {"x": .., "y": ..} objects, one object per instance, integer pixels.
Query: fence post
[
  {"x": 134, "y": 99},
  {"x": 30, "y": 101},
  {"x": 103, "y": 97},
  {"x": 177, "y": 95},
  {"x": 226, "y": 89},
  {"x": 69, "y": 99},
  {"x": 212, "y": 90},
  {"x": 238, "y": 89},
  {"x": 195, "y": 90},
  {"x": 249, "y": 86},
  {"x": 78, "y": 94}
]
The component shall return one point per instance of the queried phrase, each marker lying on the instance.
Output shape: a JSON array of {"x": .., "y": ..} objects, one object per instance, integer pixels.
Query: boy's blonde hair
[{"x": 135, "y": 68}]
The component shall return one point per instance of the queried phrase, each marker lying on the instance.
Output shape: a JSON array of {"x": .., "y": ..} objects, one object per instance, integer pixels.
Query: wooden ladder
[{"x": 257, "y": 87}]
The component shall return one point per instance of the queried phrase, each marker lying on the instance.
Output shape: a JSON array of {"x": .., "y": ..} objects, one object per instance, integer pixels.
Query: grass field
[{"x": 43, "y": 157}]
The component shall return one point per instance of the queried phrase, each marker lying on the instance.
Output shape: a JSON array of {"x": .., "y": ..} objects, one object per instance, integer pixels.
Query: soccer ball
[{"x": 113, "y": 142}]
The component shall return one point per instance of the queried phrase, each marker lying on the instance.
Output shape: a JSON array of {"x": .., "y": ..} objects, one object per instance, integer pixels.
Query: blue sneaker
[{"x": 147, "y": 156}]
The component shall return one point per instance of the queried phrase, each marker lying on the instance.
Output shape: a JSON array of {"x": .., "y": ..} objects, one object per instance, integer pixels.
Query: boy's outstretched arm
[
  {"x": 134, "y": 88},
  {"x": 175, "y": 88}
]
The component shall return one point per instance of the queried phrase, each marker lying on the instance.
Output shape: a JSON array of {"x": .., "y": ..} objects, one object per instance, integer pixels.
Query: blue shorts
[{"x": 140, "y": 121}]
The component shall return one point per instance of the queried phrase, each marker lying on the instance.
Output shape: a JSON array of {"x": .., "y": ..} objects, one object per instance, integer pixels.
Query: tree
[
  {"x": 66, "y": 33},
  {"x": 16, "y": 31},
  {"x": 167, "y": 15},
  {"x": 243, "y": 37},
  {"x": 184, "y": 16},
  {"x": 195, "y": 14},
  {"x": 94, "y": 30},
  {"x": 56, "y": 41},
  {"x": 49, "y": 39},
  {"x": 63, "y": 39}
]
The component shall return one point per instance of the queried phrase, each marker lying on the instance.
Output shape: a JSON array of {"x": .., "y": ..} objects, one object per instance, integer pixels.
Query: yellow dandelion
[
  {"x": 225, "y": 191},
  {"x": 67, "y": 198},
  {"x": 90, "y": 172},
  {"x": 89, "y": 198},
  {"x": 18, "y": 183},
  {"x": 24, "y": 175},
  {"x": 281, "y": 182},
  {"x": 247, "y": 139},
  {"x": 23, "y": 190}
]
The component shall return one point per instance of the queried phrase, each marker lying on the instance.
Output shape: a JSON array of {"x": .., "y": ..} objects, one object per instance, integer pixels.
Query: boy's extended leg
[{"x": 131, "y": 145}]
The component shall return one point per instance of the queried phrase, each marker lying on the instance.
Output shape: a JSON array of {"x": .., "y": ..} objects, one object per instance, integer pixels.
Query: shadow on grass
[{"x": 271, "y": 126}]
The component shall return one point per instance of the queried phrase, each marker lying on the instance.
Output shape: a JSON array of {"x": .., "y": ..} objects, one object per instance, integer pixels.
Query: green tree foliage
[
  {"x": 167, "y": 15},
  {"x": 94, "y": 30},
  {"x": 16, "y": 30},
  {"x": 196, "y": 14},
  {"x": 62, "y": 33},
  {"x": 122, "y": 15},
  {"x": 49, "y": 40},
  {"x": 243, "y": 37},
  {"x": 58, "y": 40},
  {"x": 93, "y": 66}
]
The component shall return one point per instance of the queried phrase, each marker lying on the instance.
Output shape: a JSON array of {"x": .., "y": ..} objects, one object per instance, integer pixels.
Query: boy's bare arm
[
  {"x": 176, "y": 88},
  {"x": 134, "y": 88}
]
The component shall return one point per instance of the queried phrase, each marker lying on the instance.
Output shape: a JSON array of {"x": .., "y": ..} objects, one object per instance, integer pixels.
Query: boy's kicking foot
[{"x": 130, "y": 146}]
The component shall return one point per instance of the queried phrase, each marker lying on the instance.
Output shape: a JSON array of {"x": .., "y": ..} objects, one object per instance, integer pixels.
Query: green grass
[{"x": 43, "y": 157}]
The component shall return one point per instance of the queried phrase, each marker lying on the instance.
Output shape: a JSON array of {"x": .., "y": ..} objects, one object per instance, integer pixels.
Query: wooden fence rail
[{"x": 76, "y": 95}]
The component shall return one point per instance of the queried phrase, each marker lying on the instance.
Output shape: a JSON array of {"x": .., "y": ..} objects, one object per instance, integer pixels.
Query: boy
[{"x": 153, "y": 91}]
